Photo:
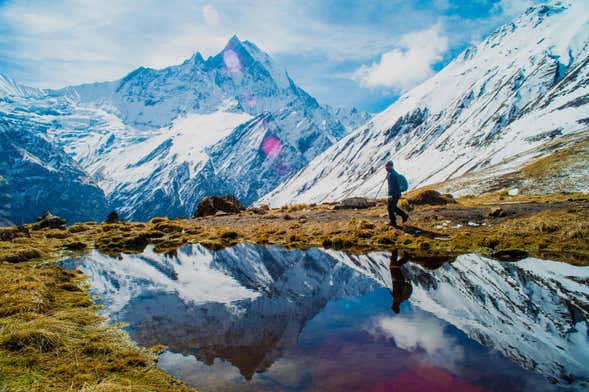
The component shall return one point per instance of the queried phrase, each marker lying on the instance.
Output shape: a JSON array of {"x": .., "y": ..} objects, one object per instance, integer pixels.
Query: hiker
[
  {"x": 395, "y": 191},
  {"x": 402, "y": 288}
]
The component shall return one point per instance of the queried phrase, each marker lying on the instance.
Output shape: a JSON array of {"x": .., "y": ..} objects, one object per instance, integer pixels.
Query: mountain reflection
[{"x": 249, "y": 305}]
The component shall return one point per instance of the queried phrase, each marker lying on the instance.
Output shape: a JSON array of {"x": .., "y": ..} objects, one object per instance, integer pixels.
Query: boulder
[
  {"x": 430, "y": 197},
  {"x": 48, "y": 220},
  {"x": 113, "y": 217},
  {"x": 212, "y": 205},
  {"x": 354, "y": 203}
]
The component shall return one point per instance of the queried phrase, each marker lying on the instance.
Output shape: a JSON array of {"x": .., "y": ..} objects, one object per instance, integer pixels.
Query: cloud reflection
[{"x": 422, "y": 335}]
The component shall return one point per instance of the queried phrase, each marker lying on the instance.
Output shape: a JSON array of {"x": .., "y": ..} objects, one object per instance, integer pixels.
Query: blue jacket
[{"x": 393, "y": 184}]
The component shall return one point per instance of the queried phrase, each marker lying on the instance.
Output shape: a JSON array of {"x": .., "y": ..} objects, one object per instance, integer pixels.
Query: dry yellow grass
[
  {"x": 52, "y": 340},
  {"x": 542, "y": 225}
]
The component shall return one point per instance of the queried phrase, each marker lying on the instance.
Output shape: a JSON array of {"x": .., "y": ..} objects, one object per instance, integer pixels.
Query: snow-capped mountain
[
  {"x": 9, "y": 87},
  {"x": 523, "y": 86},
  {"x": 248, "y": 304},
  {"x": 36, "y": 175},
  {"x": 157, "y": 141}
]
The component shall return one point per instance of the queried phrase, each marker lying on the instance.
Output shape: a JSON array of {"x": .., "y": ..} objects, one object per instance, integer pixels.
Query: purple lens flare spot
[
  {"x": 250, "y": 100},
  {"x": 231, "y": 60},
  {"x": 271, "y": 147}
]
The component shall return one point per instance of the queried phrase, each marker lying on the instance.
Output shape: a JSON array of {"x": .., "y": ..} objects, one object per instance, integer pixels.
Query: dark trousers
[{"x": 394, "y": 209}]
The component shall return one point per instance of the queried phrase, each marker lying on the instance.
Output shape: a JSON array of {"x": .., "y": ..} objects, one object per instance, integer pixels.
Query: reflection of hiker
[
  {"x": 402, "y": 288},
  {"x": 397, "y": 184}
]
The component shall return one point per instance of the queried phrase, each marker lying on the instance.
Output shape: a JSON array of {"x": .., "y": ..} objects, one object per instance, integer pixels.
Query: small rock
[
  {"x": 497, "y": 212},
  {"x": 48, "y": 220},
  {"x": 354, "y": 203},
  {"x": 431, "y": 197},
  {"x": 113, "y": 217}
]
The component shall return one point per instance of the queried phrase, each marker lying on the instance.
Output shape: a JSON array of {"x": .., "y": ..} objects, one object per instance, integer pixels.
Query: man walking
[{"x": 394, "y": 195}]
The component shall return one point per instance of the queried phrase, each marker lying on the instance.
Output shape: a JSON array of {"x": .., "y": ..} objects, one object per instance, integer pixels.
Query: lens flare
[
  {"x": 231, "y": 61},
  {"x": 271, "y": 147},
  {"x": 250, "y": 100},
  {"x": 210, "y": 15}
]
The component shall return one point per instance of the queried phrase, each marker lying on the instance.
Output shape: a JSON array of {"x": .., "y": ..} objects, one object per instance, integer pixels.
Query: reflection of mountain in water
[
  {"x": 535, "y": 312},
  {"x": 248, "y": 304},
  {"x": 249, "y": 325}
]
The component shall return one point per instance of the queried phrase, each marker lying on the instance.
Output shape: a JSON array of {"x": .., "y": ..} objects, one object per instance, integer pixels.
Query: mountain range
[
  {"x": 157, "y": 141},
  {"x": 497, "y": 106}
]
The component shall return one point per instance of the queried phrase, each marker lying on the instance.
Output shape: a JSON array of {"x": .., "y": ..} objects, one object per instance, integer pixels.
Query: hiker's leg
[
  {"x": 400, "y": 211},
  {"x": 391, "y": 209}
]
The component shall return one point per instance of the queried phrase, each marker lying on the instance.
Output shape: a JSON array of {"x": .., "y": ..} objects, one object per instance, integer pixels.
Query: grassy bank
[
  {"x": 549, "y": 226},
  {"x": 52, "y": 339}
]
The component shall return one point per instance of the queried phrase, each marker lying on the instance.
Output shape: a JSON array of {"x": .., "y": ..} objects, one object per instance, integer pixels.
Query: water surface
[{"x": 266, "y": 318}]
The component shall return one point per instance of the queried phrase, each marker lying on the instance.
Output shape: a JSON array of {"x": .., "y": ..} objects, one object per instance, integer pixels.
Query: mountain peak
[
  {"x": 243, "y": 47},
  {"x": 234, "y": 40},
  {"x": 235, "y": 44}
]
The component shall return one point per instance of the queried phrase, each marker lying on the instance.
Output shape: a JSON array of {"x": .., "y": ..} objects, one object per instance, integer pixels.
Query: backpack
[{"x": 402, "y": 183}]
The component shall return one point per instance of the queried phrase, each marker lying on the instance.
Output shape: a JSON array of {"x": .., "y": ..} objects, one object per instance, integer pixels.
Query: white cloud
[
  {"x": 83, "y": 42},
  {"x": 409, "y": 64},
  {"x": 65, "y": 42}
]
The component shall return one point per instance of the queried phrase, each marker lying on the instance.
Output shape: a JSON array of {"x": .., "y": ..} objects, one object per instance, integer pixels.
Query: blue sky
[{"x": 344, "y": 52}]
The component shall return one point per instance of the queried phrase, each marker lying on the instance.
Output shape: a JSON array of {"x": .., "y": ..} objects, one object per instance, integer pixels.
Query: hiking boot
[
  {"x": 394, "y": 224},
  {"x": 405, "y": 218}
]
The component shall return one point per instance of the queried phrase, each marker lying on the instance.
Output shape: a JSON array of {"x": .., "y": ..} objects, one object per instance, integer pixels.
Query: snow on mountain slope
[
  {"x": 157, "y": 141},
  {"x": 9, "y": 86},
  {"x": 350, "y": 118},
  {"x": 533, "y": 311},
  {"x": 523, "y": 85},
  {"x": 36, "y": 176}
]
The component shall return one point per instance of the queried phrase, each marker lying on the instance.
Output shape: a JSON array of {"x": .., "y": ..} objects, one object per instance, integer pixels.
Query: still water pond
[{"x": 270, "y": 319}]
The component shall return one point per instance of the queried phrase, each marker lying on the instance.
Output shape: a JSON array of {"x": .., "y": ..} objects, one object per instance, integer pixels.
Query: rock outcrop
[
  {"x": 48, "y": 220},
  {"x": 113, "y": 217},
  {"x": 213, "y": 205}
]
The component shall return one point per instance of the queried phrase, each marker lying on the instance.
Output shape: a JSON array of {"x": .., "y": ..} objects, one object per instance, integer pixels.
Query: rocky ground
[
  {"x": 51, "y": 338},
  {"x": 552, "y": 226}
]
